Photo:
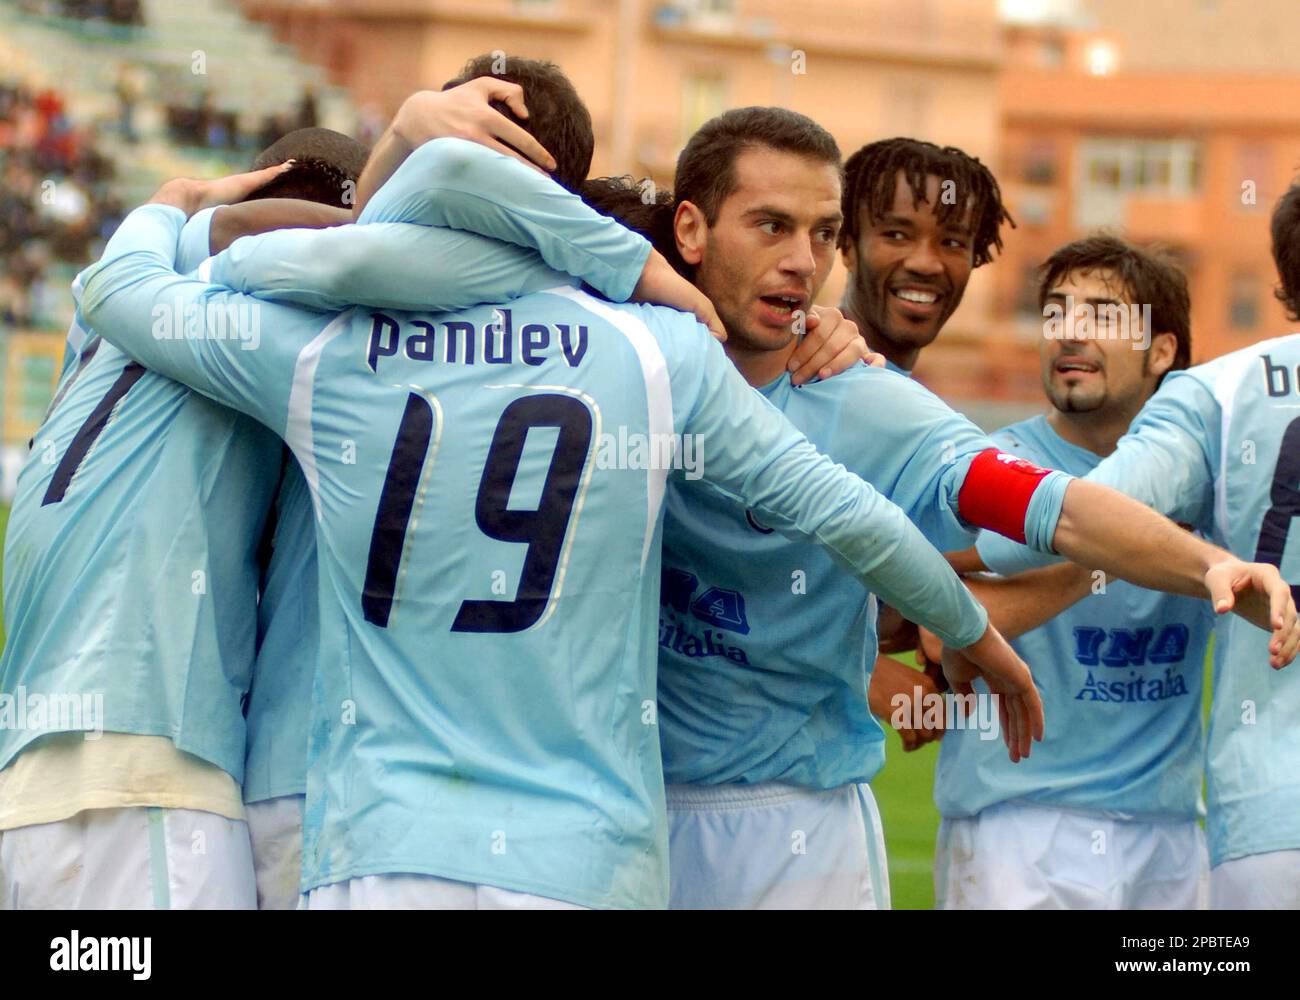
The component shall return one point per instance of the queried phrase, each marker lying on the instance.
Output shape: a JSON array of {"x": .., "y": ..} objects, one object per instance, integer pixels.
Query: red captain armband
[{"x": 997, "y": 492}]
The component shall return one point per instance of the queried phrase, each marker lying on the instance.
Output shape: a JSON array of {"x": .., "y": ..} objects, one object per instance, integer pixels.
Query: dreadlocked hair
[{"x": 870, "y": 178}]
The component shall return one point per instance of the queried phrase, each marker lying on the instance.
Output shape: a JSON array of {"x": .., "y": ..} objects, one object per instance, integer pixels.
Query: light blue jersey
[
  {"x": 766, "y": 646},
  {"x": 488, "y": 538},
  {"x": 442, "y": 184},
  {"x": 1120, "y": 677},
  {"x": 288, "y": 641},
  {"x": 130, "y": 572},
  {"x": 1218, "y": 447}
]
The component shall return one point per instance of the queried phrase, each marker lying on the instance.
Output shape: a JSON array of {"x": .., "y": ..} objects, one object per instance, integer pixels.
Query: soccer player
[
  {"x": 1105, "y": 813},
  {"x": 765, "y": 652},
  {"x": 918, "y": 219},
  {"x": 332, "y": 269},
  {"x": 713, "y": 644},
  {"x": 131, "y": 598},
  {"x": 510, "y": 762},
  {"x": 1218, "y": 447}
]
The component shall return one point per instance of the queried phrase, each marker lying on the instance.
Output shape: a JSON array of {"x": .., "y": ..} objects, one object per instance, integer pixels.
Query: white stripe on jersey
[
  {"x": 658, "y": 391},
  {"x": 297, "y": 431}
]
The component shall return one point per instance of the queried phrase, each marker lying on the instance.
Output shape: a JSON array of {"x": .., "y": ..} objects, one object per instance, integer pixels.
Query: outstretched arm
[{"x": 757, "y": 456}]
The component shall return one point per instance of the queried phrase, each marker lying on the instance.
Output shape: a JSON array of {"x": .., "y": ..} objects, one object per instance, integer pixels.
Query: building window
[
  {"x": 704, "y": 96},
  {"x": 1040, "y": 163},
  {"x": 1243, "y": 301},
  {"x": 1113, "y": 168},
  {"x": 1142, "y": 166}
]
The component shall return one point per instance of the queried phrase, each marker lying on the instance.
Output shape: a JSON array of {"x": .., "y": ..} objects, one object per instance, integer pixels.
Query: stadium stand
[{"x": 99, "y": 103}]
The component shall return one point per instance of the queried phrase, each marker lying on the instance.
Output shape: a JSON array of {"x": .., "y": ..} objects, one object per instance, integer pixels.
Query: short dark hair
[
  {"x": 870, "y": 180},
  {"x": 706, "y": 166},
  {"x": 557, "y": 118},
  {"x": 1285, "y": 233},
  {"x": 1148, "y": 274},
  {"x": 641, "y": 207},
  {"x": 325, "y": 161}
]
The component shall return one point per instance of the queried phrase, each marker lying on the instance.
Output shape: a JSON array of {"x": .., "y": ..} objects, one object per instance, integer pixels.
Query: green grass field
[{"x": 904, "y": 793}]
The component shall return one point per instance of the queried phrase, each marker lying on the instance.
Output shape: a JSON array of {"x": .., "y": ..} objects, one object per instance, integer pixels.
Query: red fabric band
[{"x": 997, "y": 492}]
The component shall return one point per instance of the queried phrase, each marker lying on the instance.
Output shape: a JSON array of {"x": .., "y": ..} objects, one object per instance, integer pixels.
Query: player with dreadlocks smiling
[{"x": 918, "y": 219}]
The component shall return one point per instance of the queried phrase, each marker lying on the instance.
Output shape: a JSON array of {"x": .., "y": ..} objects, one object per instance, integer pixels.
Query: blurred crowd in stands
[
  {"x": 201, "y": 123},
  {"x": 55, "y": 201},
  {"x": 123, "y": 12}
]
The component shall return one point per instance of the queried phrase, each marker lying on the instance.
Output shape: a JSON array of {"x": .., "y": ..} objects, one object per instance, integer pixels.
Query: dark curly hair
[
  {"x": 1285, "y": 233},
  {"x": 1149, "y": 276},
  {"x": 642, "y": 208},
  {"x": 870, "y": 180},
  {"x": 325, "y": 161}
]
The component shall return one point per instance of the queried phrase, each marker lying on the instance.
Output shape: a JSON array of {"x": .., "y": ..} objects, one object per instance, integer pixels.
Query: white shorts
[
  {"x": 775, "y": 846},
  {"x": 1268, "y": 881},
  {"x": 423, "y": 892},
  {"x": 1022, "y": 856},
  {"x": 128, "y": 859},
  {"x": 275, "y": 828}
]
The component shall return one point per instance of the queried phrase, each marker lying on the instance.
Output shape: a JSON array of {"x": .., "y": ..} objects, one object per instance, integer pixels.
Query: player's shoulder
[
  {"x": 1230, "y": 368},
  {"x": 1023, "y": 435},
  {"x": 869, "y": 385}
]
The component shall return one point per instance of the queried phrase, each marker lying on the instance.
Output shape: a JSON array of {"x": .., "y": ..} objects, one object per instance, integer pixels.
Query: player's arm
[
  {"x": 205, "y": 337},
  {"x": 754, "y": 453},
  {"x": 1162, "y": 462},
  {"x": 264, "y": 215},
  {"x": 465, "y": 111},
  {"x": 448, "y": 185},
  {"x": 1099, "y": 527},
  {"x": 452, "y": 183},
  {"x": 894, "y": 685},
  {"x": 457, "y": 184},
  {"x": 1021, "y": 603}
]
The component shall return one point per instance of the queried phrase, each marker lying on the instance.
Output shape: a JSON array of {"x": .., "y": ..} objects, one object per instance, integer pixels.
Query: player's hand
[
  {"x": 191, "y": 196},
  {"x": 830, "y": 345},
  {"x": 1020, "y": 709},
  {"x": 929, "y": 653},
  {"x": 1257, "y": 592},
  {"x": 466, "y": 112},
  {"x": 661, "y": 285},
  {"x": 894, "y": 633},
  {"x": 895, "y": 695}
]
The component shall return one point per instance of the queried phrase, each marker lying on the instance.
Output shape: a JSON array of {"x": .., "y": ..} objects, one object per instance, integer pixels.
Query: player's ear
[
  {"x": 690, "y": 229},
  {"x": 1160, "y": 355}
]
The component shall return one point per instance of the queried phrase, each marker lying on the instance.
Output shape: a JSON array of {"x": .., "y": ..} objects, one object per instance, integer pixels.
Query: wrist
[
  {"x": 177, "y": 193},
  {"x": 403, "y": 133}
]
